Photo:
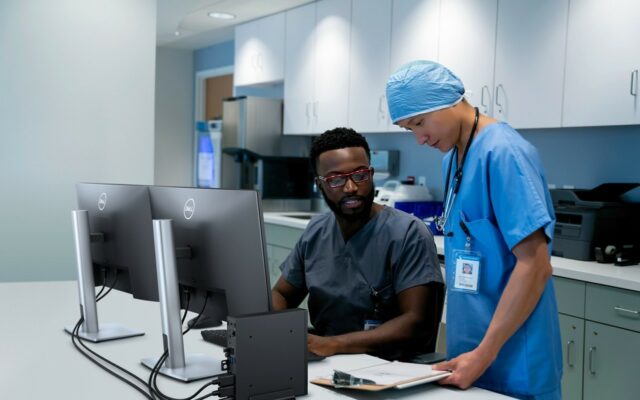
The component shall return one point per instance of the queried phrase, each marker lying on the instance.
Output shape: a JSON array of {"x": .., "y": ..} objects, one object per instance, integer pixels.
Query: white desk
[{"x": 38, "y": 361}]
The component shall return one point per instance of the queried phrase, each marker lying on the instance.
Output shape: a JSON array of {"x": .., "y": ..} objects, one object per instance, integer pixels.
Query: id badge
[
  {"x": 467, "y": 271},
  {"x": 370, "y": 324}
]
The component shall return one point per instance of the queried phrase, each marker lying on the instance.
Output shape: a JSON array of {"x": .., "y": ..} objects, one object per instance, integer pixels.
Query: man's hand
[
  {"x": 322, "y": 346},
  {"x": 466, "y": 368}
]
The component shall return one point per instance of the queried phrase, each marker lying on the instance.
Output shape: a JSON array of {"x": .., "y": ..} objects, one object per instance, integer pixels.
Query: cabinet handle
[
  {"x": 308, "y": 113},
  {"x": 626, "y": 310},
  {"x": 569, "y": 363},
  {"x": 316, "y": 106},
  {"x": 591, "y": 350},
  {"x": 498, "y": 97},
  {"x": 485, "y": 88},
  {"x": 634, "y": 83},
  {"x": 259, "y": 61}
]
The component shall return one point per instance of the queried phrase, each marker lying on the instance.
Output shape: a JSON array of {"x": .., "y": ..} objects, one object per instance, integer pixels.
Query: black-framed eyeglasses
[{"x": 336, "y": 181}]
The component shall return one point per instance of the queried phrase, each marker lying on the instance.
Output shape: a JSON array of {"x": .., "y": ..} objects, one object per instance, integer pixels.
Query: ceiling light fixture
[
  {"x": 221, "y": 15},
  {"x": 177, "y": 33}
]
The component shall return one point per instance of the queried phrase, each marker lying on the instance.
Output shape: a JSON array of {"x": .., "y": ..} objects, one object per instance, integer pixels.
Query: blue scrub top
[{"x": 503, "y": 198}]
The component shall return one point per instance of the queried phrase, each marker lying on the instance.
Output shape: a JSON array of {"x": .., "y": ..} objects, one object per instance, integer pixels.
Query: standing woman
[{"x": 498, "y": 220}]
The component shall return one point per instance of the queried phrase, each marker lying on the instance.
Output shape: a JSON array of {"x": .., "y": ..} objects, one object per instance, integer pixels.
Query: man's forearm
[
  {"x": 396, "y": 330},
  {"x": 278, "y": 301}
]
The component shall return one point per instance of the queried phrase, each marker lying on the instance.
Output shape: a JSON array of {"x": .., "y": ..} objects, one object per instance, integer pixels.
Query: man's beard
[{"x": 367, "y": 202}]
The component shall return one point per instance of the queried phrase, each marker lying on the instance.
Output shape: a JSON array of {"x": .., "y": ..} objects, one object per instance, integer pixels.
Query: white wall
[
  {"x": 174, "y": 117},
  {"x": 76, "y": 104}
]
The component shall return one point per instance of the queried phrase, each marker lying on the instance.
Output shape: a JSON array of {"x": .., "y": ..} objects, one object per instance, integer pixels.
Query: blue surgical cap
[{"x": 420, "y": 87}]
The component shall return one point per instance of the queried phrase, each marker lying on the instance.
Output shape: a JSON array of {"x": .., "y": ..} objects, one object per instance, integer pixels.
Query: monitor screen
[
  {"x": 220, "y": 248},
  {"x": 121, "y": 237}
]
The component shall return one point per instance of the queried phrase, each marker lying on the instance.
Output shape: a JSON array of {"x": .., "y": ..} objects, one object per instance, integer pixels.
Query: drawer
[
  {"x": 282, "y": 236},
  {"x": 612, "y": 306},
  {"x": 570, "y": 295}
]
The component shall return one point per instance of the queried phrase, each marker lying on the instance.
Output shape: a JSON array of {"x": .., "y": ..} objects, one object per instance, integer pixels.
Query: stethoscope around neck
[{"x": 452, "y": 188}]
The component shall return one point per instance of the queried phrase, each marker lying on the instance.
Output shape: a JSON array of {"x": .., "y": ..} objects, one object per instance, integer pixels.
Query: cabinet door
[
  {"x": 246, "y": 54},
  {"x": 330, "y": 108},
  {"x": 271, "y": 52},
  {"x": 530, "y": 54},
  {"x": 610, "y": 362},
  {"x": 299, "y": 69},
  {"x": 369, "y": 65},
  {"x": 467, "y": 46},
  {"x": 603, "y": 58},
  {"x": 572, "y": 332},
  {"x": 415, "y": 27},
  {"x": 259, "y": 47}
]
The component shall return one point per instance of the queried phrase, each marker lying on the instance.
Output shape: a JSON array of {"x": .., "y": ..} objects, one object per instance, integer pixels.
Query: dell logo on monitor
[
  {"x": 189, "y": 208},
  {"x": 102, "y": 201}
]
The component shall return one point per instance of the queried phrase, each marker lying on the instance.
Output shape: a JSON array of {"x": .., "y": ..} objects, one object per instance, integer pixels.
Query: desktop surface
[{"x": 39, "y": 361}]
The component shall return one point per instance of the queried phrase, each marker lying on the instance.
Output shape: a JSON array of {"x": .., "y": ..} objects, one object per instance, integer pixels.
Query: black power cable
[
  {"x": 153, "y": 390},
  {"x": 153, "y": 377},
  {"x": 111, "y": 286},
  {"x": 78, "y": 342}
]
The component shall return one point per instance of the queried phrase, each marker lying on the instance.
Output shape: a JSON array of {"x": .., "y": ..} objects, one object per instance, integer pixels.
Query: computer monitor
[
  {"x": 122, "y": 237},
  {"x": 113, "y": 238},
  {"x": 209, "y": 242}
]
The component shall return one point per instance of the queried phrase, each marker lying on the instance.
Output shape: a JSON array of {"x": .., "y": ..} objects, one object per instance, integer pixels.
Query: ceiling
[{"x": 196, "y": 29}]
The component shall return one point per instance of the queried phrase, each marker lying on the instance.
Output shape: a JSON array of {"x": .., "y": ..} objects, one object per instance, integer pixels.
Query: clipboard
[{"x": 393, "y": 374}]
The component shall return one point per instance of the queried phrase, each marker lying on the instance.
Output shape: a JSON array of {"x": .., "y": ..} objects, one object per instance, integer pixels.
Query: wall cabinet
[
  {"x": 299, "y": 69},
  {"x": 530, "y": 57},
  {"x": 467, "y": 47},
  {"x": 369, "y": 65},
  {"x": 603, "y": 60},
  {"x": 511, "y": 68},
  {"x": 415, "y": 26},
  {"x": 316, "y": 85},
  {"x": 534, "y": 64},
  {"x": 259, "y": 51},
  {"x": 600, "y": 329}
]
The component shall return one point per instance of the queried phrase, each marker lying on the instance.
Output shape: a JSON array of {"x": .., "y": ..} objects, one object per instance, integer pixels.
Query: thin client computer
[
  {"x": 113, "y": 240},
  {"x": 209, "y": 242}
]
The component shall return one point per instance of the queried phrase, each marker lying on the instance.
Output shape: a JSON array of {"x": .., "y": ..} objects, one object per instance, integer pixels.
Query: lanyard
[{"x": 451, "y": 191}]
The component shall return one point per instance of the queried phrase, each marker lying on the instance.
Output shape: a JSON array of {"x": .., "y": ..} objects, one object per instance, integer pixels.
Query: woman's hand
[{"x": 466, "y": 368}]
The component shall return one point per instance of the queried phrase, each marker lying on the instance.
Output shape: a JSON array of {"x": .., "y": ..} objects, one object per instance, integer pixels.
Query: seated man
[{"x": 371, "y": 272}]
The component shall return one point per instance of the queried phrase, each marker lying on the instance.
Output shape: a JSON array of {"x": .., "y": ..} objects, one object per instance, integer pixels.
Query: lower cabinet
[
  {"x": 611, "y": 363},
  {"x": 601, "y": 341},
  {"x": 572, "y": 332},
  {"x": 280, "y": 242}
]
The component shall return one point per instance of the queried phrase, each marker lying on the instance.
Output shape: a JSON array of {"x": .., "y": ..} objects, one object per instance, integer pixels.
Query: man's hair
[{"x": 338, "y": 138}]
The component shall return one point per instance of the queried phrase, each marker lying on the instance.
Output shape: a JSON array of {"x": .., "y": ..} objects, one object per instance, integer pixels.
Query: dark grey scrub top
[{"x": 394, "y": 251}]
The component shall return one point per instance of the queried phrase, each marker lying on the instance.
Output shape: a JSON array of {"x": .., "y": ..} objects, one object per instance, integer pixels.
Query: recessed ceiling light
[
  {"x": 221, "y": 15},
  {"x": 177, "y": 33}
]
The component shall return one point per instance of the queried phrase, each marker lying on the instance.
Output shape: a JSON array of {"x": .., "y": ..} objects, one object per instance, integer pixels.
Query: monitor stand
[
  {"x": 204, "y": 322},
  {"x": 90, "y": 329},
  {"x": 178, "y": 366}
]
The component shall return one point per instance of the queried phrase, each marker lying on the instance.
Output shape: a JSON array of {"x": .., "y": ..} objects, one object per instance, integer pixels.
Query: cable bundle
[{"x": 150, "y": 389}]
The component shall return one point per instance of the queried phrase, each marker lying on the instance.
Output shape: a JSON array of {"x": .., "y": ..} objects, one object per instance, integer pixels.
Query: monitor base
[
  {"x": 106, "y": 332},
  {"x": 197, "y": 366}
]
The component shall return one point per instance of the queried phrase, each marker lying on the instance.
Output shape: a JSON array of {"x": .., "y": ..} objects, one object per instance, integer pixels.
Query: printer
[{"x": 600, "y": 224}]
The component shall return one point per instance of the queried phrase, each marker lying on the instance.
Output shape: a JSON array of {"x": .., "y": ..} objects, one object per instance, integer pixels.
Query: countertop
[
  {"x": 39, "y": 361},
  {"x": 587, "y": 271}
]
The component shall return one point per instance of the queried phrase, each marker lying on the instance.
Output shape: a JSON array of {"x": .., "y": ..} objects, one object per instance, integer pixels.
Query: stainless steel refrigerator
[{"x": 250, "y": 126}]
